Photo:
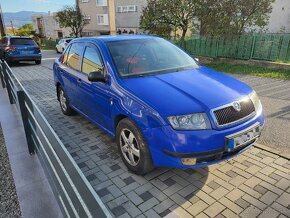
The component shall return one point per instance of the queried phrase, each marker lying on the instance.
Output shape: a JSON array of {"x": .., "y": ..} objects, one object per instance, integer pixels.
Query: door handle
[{"x": 79, "y": 80}]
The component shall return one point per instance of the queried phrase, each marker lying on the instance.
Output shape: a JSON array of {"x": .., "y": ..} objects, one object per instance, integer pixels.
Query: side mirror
[
  {"x": 97, "y": 76},
  {"x": 196, "y": 59}
]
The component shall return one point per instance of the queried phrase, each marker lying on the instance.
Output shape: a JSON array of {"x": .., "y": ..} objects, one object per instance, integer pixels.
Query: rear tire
[
  {"x": 38, "y": 62},
  {"x": 133, "y": 148},
  {"x": 57, "y": 51},
  {"x": 64, "y": 102}
]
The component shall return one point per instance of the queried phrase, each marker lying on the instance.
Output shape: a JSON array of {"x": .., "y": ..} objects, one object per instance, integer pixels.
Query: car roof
[
  {"x": 114, "y": 38},
  {"x": 22, "y": 37}
]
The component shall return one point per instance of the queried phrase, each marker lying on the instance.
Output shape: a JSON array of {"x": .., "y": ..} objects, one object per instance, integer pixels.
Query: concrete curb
[{"x": 272, "y": 150}]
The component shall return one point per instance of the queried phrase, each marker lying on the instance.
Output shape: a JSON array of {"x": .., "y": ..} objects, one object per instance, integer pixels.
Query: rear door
[{"x": 70, "y": 70}]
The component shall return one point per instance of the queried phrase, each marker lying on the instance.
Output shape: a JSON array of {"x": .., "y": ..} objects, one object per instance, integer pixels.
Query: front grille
[{"x": 229, "y": 114}]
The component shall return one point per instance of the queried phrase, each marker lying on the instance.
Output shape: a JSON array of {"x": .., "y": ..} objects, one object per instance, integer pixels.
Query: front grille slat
[{"x": 229, "y": 114}]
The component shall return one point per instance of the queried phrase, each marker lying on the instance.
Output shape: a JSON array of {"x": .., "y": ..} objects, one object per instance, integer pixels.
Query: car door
[
  {"x": 94, "y": 97},
  {"x": 70, "y": 70}
]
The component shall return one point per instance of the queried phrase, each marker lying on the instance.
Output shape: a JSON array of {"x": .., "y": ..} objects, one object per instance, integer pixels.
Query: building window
[
  {"x": 128, "y": 8},
  {"x": 132, "y": 8},
  {"x": 85, "y": 1},
  {"x": 102, "y": 19},
  {"x": 102, "y": 3},
  {"x": 87, "y": 19}
]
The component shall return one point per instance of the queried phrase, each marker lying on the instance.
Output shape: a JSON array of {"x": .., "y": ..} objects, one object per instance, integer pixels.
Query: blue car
[
  {"x": 161, "y": 105},
  {"x": 19, "y": 48}
]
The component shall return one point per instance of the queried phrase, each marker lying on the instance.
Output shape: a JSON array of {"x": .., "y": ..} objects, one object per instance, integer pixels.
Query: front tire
[
  {"x": 38, "y": 62},
  {"x": 133, "y": 148},
  {"x": 64, "y": 102}
]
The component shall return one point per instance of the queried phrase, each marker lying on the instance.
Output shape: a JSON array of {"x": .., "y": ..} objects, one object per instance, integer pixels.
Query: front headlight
[
  {"x": 256, "y": 101},
  {"x": 194, "y": 121}
]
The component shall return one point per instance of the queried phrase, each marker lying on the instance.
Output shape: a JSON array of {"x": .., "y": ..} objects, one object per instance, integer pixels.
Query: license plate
[
  {"x": 26, "y": 52},
  {"x": 241, "y": 138}
]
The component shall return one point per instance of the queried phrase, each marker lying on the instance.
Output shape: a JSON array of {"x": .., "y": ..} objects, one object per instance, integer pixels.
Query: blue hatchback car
[
  {"x": 19, "y": 48},
  {"x": 161, "y": 105}
]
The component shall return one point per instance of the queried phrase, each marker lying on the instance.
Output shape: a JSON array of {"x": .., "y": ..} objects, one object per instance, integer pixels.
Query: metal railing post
[
  {"x": 2, "y": 75},
  {"x": 24, "y": 116},
  {"x": 8, "y": 86}
]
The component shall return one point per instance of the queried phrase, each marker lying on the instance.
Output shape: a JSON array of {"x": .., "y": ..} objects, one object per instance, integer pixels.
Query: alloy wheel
[{"x": 129, "y": 147}]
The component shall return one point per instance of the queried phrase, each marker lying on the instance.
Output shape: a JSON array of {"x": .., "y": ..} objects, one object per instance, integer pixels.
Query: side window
[
  {"x": 91, "y": 61},
  {"x": 65, "y": 55},
  {"x": 74, "y": 56}
]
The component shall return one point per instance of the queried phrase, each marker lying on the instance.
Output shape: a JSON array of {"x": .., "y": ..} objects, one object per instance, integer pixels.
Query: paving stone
[
  {"x": 164, "y": 205},
  {"x": 269, "y": 213},
  {"x": 235, "y": 195},
  {"x": 269, "y": 197},
  {"x": 284, "y": 200},
  {"x": 197, "y": 207},
  {"x": 254, "y": 201},
  {"x": 219, "y": 193},
  {"x": 230, "y": 214},
  {"x": 231, "y": 205},
  {"x": 251, "y": 211},
  {"x": 242, "y": 203},
  {"x": 148, "y": 204},
  {"x": 214, "y": 209},
  {"x": 118, "y": 211}
]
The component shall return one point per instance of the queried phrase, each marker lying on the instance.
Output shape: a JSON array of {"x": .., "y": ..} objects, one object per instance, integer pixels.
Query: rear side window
[
  {"x": 91, "y": 61},
  {"x": 68, "y": 40},
  {"x": 20, "y": 41},
  {"x": 65, "y": 55},
  {"x": 74, "y": 56}
]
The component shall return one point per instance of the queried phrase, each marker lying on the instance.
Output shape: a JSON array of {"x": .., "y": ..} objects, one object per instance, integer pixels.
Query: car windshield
[
  {"x": 22, "y": 41},
  {"x": 144, "y": 57}
]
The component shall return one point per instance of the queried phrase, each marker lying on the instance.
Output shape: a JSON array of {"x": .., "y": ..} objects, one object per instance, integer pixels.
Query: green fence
[
  {"x": 270, "y": 47},
  {"x": 48, "y": 43}
]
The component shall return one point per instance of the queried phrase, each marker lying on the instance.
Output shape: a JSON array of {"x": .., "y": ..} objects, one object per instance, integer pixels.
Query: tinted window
[
  {"x": 68, "y": 40},
  {"x": 74, "y": 54},
  {"x": 21, "y": 41},
  {"x": 148, "y": 57},
  {"x": 91, "y": 61}
]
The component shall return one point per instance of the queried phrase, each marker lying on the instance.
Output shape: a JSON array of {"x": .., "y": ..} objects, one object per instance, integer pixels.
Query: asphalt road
[{"x": 274, "y": 94}]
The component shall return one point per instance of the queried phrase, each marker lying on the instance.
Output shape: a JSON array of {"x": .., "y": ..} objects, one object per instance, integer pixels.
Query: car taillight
[{"x": 10, "y": 48}]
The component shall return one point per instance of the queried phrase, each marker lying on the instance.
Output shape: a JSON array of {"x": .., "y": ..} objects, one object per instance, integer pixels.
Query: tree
[
  {"x": 214, "y": 17},
  {"x": 72, "y": 18},
  {"x": 168, "y": 15},
  {"x": 232, "y": 16},
  {"x": 25, "y": 30}
]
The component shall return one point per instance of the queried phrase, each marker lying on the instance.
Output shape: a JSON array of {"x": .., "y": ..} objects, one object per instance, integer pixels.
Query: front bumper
[{"x": 168, "y": 147}]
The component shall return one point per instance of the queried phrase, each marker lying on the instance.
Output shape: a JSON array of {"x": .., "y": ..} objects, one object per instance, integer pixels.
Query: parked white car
[{"x": 61, "y": 45}]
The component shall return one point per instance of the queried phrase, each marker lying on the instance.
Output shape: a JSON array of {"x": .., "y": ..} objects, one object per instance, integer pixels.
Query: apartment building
[
  {"x": 100, "y": 17},
  {"x": 128, "y": 13},
  {"x": 47, "y": 26},
  {"x": 280, "y": 17}
]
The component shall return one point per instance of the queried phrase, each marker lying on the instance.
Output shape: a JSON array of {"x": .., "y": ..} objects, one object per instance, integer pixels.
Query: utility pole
[
  {"x": 12, "y": 27},
  {"x": 2, "y": 25}
]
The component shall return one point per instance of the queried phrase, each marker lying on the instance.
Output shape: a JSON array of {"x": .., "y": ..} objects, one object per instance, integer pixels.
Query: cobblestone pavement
[{"x": 256, "y": 183}]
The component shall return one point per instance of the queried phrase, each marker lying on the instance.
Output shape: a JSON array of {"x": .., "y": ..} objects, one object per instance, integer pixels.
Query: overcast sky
[{"x": 34, "y": 5}]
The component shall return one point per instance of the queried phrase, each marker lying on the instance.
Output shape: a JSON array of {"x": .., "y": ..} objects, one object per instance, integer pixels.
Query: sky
[{"x": 34, "y": 5}]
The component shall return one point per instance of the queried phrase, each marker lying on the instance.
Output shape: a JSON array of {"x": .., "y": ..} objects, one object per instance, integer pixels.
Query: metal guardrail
[{"x": 74, "y": 194}]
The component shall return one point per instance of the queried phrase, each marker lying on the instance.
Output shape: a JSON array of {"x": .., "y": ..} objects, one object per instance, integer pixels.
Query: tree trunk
[{"x": 184, "y": 30}]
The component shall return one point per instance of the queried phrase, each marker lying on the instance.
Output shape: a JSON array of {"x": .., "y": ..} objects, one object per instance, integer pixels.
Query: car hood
[{"x": 185, "y": 92}]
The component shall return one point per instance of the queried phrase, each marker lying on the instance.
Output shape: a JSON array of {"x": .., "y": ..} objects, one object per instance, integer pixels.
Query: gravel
[{"x": 9, "y": 205}]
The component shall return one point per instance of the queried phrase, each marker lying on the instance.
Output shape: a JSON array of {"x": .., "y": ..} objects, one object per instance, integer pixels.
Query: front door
[{"x": 94, "y": 97}]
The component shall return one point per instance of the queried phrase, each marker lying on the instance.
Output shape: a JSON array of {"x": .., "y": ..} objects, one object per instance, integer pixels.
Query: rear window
[
  {"x": 68, "y": 40},
  {"x": 20, "y": 41}
]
